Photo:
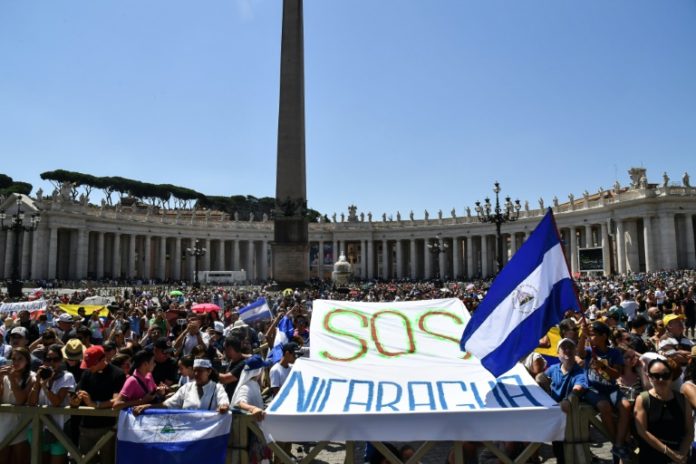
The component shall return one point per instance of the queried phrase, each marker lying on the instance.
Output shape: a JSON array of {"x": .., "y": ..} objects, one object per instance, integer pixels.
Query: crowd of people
[{"x": 629, "y": 354}]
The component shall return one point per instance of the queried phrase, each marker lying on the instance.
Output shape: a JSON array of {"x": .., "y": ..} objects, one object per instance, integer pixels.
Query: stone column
[
  {"x": 442, "y": 260},
  {"x": 320, "y": 264},
  {"x": 513, "y": 244},
  {"x": 26, "y": 254},
  {"x": 221, "y": 256},
  {"x": 606, "y": 255},
  {"x": 370, "y": 259},
  {"x": 385, "y": 259},
  {"x": 414, "y": 261},
  {"x": 428, "y": 261},
  {"x": 131, "y": 255},
  {"x": 336, "y": 251},
  {"x": 116, "y": 260},
  {"x": 205, "y": 259},
  {"x": 399, "y": 260},
  {"x": 574, "y": 263},
  {"x": 235, "y": 255},
  {"x": 668, "y": 242},
  {"x": 470, "y": 256},
  {"x": 690, "y": 246},
  {"x": 631, "y": 246},
  {"x": 3, "y": 243},
  {"x": 485, "y": 267},
  {"x": 589, "y": 243},
  {"x": 99, "y": 271},
  {"x": 38, "y": 250},
  {"x": 52, "y": 253},
  {"x": 9, "y": 252},
  {"x": 162, "y": 267},
  {"x": 648, "y": 244},
  {"x": 176, "y": 259},
  {"x": 147, "y": 257},
  {"x": 456, "y": 258},
  {"x": 81, "y": 255},
  {"x": 250, "y": 260},
  {"x": 620, "y": 247},
  {"x": 264, "y": 260},
  {"x": 363, "y": 258}
]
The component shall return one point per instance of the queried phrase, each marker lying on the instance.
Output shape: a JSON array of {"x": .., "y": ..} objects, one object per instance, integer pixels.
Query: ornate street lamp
[
  {"x": 17, "y": 227},
  {"x": 437, "y": 246},
  {"x": 496, "y": 215},
  {"x": 196, "y": 251}
]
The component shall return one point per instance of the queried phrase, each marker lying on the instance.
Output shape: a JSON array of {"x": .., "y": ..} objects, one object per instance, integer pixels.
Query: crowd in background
[{"x": 150, "y": 348}]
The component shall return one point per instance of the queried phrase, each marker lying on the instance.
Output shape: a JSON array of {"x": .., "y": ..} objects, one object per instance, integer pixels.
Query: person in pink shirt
[{"x": 140, "y": 387}]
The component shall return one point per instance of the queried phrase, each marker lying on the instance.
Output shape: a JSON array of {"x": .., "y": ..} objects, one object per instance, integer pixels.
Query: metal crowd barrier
[{"x": 575, "y": 446}]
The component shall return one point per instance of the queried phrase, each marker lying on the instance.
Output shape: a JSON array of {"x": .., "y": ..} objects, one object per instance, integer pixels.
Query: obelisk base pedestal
[{"x": 290, "y": 264}]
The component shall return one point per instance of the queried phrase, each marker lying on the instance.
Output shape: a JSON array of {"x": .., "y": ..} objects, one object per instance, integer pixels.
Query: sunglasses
[{"x": 663, "y": 376}]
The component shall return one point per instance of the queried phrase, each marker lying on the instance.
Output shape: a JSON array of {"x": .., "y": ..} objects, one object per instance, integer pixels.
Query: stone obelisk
[{"x": 290, "y": 249}]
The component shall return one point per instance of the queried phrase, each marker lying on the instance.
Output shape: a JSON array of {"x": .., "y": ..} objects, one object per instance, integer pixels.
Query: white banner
[
  {"x": 394, "y": 372},
  {"x": 31, "y": 306}
]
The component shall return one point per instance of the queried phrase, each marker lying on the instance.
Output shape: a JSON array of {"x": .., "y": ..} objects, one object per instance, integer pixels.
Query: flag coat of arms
[
  {"x": 172, "y": 436},
  {"x": 529, "y": 296}
]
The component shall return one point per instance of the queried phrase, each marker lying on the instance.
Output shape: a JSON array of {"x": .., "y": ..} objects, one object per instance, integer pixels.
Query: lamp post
[
  {"x": 437, "y": 246},
  {"x": 496, "y": 215},
  {"x": 196, "y": 251},
  {"x": 17, "y": 227}
]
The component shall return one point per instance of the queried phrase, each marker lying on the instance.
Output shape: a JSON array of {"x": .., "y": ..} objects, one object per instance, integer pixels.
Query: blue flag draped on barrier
[
  {"x": 529, "y": 296},
  {"x": 255, "y": 311},
  {"x": 164, "y": 436}
]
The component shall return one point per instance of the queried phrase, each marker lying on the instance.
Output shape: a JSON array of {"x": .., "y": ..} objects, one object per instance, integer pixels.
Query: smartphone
[{"x": 181, "y": 321}]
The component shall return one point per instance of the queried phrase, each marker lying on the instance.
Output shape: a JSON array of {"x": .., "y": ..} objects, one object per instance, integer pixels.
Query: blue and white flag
[
  {"x": 284, "y": 333},
  {"x": 172, "y": 436},
  {"x": 255, "y": 311},
  {"x": 529, "y": 296}
]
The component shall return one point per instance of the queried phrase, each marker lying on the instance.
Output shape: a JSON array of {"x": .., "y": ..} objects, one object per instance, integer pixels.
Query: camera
[
  {"x": 181, "y": 321},
  {"x": 45, "y": 373}
]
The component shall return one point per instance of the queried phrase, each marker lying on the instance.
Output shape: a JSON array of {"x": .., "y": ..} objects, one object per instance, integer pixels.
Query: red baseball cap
[{"x": 92, "y": 356}]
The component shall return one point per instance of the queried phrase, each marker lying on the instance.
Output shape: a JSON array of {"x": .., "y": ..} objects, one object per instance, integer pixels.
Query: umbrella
[
  {"x": 176, "y": 293},
  {"x": 97, "y": 301},
  {"x": 205, "y": 308}
]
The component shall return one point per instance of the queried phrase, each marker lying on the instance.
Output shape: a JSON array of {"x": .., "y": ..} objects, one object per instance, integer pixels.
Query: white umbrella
[{"x": 97, "y": 300}]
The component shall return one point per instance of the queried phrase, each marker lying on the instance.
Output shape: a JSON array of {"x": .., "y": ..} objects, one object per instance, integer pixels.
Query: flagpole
[{"x": 575, "y": 290}]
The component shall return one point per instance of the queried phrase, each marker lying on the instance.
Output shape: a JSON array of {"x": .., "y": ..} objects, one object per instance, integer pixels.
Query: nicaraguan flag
[
  {"x": 169, "y": 436},
  {"x": 255, "y": 311},
  {"x": 284, "y": 332},
  {"x": 529, "y": 296}
]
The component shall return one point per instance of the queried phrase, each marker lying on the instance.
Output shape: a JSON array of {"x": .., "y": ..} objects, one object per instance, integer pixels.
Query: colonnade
[
  {"x": 619, "y": 241},
  {"x": 76, "y": 253},
  {"x": 632, "y": 244}
]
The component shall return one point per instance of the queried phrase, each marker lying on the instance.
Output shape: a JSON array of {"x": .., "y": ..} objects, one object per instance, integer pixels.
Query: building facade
[{"x": 638, "y": 228}]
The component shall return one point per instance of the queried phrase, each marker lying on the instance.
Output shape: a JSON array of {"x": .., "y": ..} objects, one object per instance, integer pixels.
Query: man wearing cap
[
  {"x": 674, "y": 325},
  {"x": 64, "y": 324},
  {"x": 166, "y": 370},
  {"x": 567, "y": 378},
  {"x": 281, "y": 369},
  {"x": 98, "y": 388}
]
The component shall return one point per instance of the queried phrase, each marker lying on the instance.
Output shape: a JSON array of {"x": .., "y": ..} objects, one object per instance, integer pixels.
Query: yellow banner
[{"x": 89, "y": 309}]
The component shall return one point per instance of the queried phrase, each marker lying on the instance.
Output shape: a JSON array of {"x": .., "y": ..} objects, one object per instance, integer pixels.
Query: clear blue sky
[{"x": 410, "y": 104}]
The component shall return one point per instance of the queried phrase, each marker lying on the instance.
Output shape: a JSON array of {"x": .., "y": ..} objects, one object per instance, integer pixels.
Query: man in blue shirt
[{"x": 567, "y": 377}]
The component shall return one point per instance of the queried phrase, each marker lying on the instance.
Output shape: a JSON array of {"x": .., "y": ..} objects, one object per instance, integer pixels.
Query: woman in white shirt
[{"x": 203, "y": 393}]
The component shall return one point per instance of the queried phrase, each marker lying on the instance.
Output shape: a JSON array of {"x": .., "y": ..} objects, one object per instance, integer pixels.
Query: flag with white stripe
[
  {"x": 163, "y": 436},
  {"x": 529, "y": 296},
  {"x": 257, "y": 310},
  {"x": 284, "y": 333}
]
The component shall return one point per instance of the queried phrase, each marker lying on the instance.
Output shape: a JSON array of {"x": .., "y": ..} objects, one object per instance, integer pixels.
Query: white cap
[{"x": 202, "y": 363}]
